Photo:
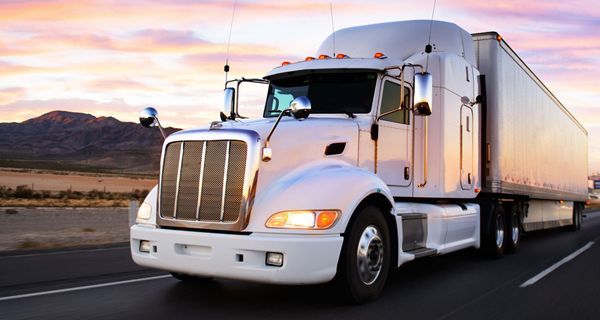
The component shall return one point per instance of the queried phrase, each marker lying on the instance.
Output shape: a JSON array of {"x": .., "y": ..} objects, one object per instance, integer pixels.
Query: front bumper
[{"x": 307, "y": 258}]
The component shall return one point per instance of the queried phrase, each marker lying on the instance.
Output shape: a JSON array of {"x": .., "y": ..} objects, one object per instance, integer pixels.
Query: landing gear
[{"x": 366, "y": 256}]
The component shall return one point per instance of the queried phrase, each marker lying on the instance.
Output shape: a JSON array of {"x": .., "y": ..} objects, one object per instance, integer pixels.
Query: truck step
[{"x": 422, "y": 252}]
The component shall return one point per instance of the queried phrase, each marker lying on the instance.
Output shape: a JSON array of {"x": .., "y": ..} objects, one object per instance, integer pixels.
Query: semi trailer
[{"x": 394, "y": 142}]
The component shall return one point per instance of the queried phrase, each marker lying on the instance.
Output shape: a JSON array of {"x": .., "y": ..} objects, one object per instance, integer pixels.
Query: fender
[{"x": 323, "y": 184}]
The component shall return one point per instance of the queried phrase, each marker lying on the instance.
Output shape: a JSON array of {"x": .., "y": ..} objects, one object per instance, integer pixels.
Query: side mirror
[
  {"x": 300, "y": 108},
  {"x": 229, "y": 102},
  {"x": 423, "y": 94},
  {"x": 149, "y": 118}
]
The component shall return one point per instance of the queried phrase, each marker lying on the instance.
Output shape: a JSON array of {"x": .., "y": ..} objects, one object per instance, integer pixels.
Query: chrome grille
[{"x": 203, "y": 180}]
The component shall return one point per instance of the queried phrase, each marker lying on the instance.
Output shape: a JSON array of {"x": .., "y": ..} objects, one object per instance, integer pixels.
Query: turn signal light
[
  {"x": 309, "y": 58},
  {"x": 379, "y": 55},
  {"x": 324, "y": 56},
  {"x": 325, "y": 219},
  {"x": 341, "y": 56}
]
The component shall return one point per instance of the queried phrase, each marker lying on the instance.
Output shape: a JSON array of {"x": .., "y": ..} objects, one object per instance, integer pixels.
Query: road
[{"x": 463, "y": 285}]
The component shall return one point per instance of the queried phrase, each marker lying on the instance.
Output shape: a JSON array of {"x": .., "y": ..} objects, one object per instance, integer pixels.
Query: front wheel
[{"x": 366, "y": 256}]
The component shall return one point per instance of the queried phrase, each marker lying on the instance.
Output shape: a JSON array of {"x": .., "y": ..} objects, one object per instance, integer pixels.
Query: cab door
[
  {"x": 394, "y": 144},
  {"x": 466, "y": 148}
]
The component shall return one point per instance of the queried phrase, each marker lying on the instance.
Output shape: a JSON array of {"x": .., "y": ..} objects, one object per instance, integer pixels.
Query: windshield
[{"x": 342, "y": 92}]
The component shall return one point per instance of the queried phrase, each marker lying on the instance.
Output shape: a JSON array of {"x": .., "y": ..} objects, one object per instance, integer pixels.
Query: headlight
[
  {"x": 144, "y": 211},
  {"x": 305, "y": 219}
]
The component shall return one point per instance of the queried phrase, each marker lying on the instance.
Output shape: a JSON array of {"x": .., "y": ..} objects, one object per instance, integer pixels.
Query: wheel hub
[
  {"x": 499, "y": 231},
  {"x": 369, "y": 255}
]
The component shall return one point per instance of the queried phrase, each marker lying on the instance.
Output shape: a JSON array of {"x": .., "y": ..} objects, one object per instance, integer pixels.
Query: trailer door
[
  {"x": 394, "y": 145},
  {"x": 466, "y": 148}
]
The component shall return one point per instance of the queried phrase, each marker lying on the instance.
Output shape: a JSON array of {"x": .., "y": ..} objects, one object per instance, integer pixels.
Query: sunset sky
[{"x": 112, "y": 58}]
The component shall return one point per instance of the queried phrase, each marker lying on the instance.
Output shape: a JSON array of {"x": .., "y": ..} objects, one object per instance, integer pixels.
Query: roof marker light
[
  {"x": 499, "y": 38},
  {"x": 324, "y": 56},
  {"x": 379, "y": 55},
  {"x": 309, "y": 58},
  {"x": 341, "y": 56},
  {"x": 285, "y": 63}
]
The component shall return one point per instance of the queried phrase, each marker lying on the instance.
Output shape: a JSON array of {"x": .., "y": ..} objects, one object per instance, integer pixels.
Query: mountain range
[{"x": 67, "y": 140}]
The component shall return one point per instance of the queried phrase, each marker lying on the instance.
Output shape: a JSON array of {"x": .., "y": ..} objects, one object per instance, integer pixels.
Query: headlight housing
[
  {"x": 144, "y": 212},
  {"x": 303, "y": 219}
]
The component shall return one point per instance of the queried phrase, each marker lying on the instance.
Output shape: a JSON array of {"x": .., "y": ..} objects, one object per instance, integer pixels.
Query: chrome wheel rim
[
  {"x": 499, "y": 231},
  {"x": 515, "y": 229},
  {"x": 369, "y": 255}
]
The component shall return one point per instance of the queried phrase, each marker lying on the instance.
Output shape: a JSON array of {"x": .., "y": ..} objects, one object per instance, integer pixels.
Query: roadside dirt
[
  {"x": 75, "y": 182},
  {"x": 45, "y": 228}
]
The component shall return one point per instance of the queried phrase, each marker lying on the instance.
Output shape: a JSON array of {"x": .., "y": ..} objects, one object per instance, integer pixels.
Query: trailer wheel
[
  {"x": 577, "y": 217},
  {"x": 513, "y": 236},
  {"x": 493, "y": 239},
  {"x": 366, "y": 256},
  {"x": 186, "y": 278}
]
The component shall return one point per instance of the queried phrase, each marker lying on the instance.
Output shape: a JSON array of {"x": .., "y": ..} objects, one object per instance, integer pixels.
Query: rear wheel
[
  {"x": 513, "y": 237},
  {"x": 577, "y": 216},
  {"x": 366, "y": 256},
  {"x": 493, "y": 238}
]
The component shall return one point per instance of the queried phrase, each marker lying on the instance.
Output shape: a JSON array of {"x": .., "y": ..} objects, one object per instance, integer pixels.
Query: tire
[
  {"x": 493, "y": 239},
  {"x": 577, "y": 217},
  {"x": 186, "y": 278},
  {"x": 366, "y": 255},
  {"x": 513, "y": 228}
]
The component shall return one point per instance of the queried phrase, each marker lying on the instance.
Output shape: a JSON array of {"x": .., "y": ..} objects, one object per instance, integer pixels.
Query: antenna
[
  {"x": 428, "y": 47},
  {"x": 226, "y": 67},
  {"x": 332, "y": 27}
]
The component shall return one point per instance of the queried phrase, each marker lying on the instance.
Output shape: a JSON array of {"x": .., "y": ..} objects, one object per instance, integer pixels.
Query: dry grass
[{"x": 86, "y": 203}]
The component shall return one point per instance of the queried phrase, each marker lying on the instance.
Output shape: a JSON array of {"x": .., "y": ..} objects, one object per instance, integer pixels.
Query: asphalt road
[{"x": 463, "y": 285}]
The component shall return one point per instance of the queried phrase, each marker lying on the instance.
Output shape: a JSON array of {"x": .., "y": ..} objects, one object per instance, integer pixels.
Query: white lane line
[
  {"x": 100, "y": 285},
  {"x": 555, "y": 266},
  {"x": 61, "y": 252}
]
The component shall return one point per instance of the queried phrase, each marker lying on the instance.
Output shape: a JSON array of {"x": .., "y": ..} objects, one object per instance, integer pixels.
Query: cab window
[{"x": 390, "y": 100}]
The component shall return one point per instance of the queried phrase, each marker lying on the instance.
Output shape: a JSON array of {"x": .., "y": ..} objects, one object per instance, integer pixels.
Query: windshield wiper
[{"x": 350, "y": 114}]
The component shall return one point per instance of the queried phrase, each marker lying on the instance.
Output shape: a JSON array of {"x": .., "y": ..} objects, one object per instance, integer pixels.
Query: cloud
[{"x": 11, "y": 94}]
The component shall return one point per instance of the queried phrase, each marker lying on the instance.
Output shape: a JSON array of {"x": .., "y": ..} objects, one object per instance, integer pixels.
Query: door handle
[{"x": 406, "y": 173}]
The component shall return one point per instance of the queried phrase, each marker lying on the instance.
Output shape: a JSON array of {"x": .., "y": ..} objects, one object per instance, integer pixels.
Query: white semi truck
[{"x": 383, "y": 148}]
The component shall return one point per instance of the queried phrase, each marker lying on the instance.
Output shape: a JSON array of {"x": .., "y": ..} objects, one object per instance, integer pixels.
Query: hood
[{"x": 294, "y": 143}]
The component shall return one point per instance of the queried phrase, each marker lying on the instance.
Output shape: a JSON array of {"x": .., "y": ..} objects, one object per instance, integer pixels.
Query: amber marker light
[
  {"x": 325, "y": 219},
  {"x": 303, "y": 219},
  {"x": 309, "y": 58},
  {"x": 379, "y": 55},
  {"x": 499, "y": 38},
  {"x": 285, "y": 63},
  {"x": 341, "y": 56},
  {"x": 324, "y": 56}
]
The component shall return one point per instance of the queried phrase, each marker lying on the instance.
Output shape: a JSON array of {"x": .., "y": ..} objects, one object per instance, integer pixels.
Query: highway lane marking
[
  {"x": 555, "y": 266},
  {"x": 62, "y": 252},
  {"x": 100, "y": 285}
]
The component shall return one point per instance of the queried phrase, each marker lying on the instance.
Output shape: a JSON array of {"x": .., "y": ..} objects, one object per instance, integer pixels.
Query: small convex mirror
[
  {"x": 148, "y": 117},
  {"x": 229, "y": 101},
  {"x": 423, "y": 94},
  {"x": 300, "y": 107}
]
